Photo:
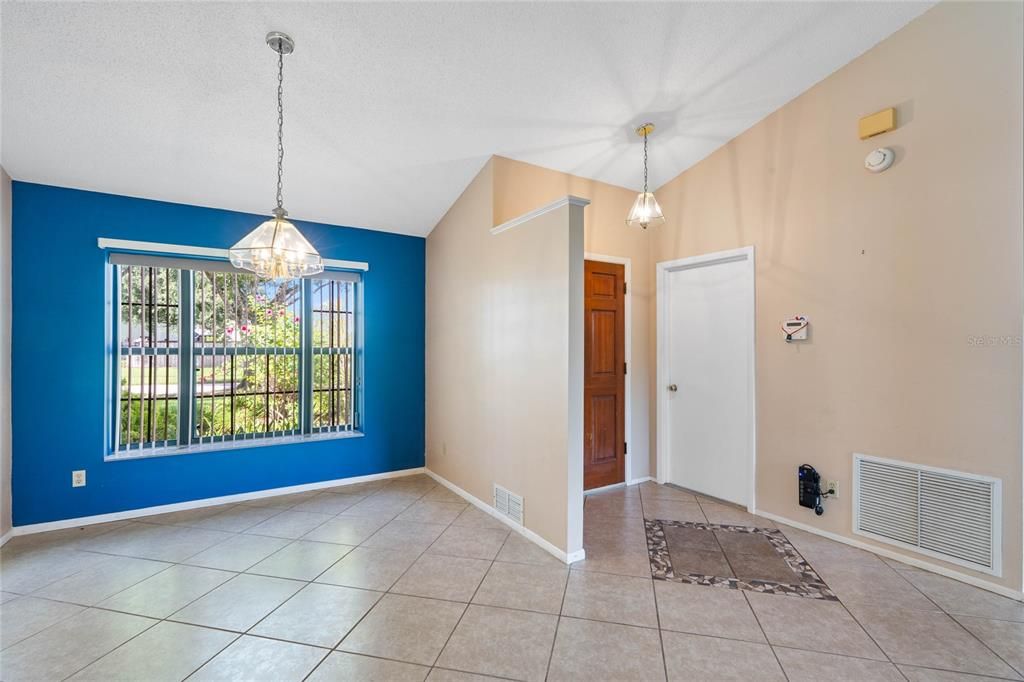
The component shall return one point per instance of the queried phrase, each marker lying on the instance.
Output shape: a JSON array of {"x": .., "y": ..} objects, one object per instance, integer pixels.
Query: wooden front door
[{"x": 604, "y": 375}]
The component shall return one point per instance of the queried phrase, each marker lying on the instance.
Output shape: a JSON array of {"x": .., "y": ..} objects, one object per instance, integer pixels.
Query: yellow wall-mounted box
[{"x": 876, "y": 124}]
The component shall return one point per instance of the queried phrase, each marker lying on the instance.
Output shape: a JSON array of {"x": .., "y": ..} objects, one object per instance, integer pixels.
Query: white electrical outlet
[
  {"x": 78, "y": 478},
  {"x": 832, "y": 488}
]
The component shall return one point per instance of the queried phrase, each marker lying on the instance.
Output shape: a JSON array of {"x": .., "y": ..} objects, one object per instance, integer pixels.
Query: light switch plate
[{"x": 78, "y": 478}]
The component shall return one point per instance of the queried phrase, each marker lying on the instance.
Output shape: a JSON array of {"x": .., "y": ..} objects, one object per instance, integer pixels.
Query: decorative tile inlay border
[{"x": 807, "y": 584}]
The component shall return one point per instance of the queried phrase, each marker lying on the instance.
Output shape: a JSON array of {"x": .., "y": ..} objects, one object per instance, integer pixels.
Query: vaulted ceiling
[{"x": 392, "y": 108}]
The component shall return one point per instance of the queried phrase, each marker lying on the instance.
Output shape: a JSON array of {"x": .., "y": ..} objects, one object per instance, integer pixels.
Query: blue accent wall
[{"x": 58, "y": 346}]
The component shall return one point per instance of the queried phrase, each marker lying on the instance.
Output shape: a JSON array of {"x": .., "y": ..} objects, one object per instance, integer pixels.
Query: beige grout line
[{"x": 558, "y": 622}]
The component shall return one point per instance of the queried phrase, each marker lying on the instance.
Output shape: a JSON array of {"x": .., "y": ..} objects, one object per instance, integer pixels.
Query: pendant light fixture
[
  {"x": 645, "y": 209},
  {"x": 276, "y": 248}
]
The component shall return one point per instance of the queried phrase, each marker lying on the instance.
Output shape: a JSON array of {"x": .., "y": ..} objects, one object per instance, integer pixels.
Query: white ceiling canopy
[{"x": 391, "y": 109}]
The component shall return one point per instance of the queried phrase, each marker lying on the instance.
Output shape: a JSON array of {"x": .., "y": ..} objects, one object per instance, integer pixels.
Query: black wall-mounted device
[{"x": 810, "y": 488}]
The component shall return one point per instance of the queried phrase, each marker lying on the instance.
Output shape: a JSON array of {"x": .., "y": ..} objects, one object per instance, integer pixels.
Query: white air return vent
[
  {"x": 508, "y": 503},
  {"x": 946, "y": 514}
]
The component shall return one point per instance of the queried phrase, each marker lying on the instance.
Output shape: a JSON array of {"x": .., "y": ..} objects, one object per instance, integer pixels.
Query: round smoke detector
[{"x": 879, "y": 160}]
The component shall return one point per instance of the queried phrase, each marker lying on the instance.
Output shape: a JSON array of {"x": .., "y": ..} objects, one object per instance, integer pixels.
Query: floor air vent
[
  {"x": 947, "y": 514},
  {"x": 508, "y": 503}
]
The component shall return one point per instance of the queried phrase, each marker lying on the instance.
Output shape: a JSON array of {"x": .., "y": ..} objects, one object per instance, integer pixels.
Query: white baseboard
[
  {"x": 643, "y": 479},
  {"x": 522, "y": 530},
  {"x": 198, "y": 504},
  {"x": 903, "y": 558},
  {"x": 6, "y": 536}
]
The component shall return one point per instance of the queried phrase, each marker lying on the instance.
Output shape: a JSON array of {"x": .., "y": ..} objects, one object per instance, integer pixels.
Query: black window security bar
[{"x": 211, "y": 354}]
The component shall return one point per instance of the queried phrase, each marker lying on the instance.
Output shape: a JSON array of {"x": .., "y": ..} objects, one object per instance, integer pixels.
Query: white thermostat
[
  {"x": 795, "y": 328},
  {"x": 880, "y": 159}
]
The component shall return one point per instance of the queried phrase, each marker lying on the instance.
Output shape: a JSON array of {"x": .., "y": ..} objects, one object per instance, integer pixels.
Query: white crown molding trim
[
  {"x": 569, "y": 200},
  {"x": 902, "y": 558},
  {"x": 522, "y": 530},
  {"x": 205, "y": 502},
  {"x": 205, "y": 252}
]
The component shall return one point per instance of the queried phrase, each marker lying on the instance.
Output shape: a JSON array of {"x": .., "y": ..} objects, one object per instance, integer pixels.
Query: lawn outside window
[{"x": 212, "y": 357}]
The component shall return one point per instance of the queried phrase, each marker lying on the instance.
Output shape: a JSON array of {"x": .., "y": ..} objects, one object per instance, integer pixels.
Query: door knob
[{"x": 673, "y": 388}]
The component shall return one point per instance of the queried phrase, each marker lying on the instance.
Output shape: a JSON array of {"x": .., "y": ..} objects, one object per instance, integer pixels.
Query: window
[{"x": 210, "y": 354}]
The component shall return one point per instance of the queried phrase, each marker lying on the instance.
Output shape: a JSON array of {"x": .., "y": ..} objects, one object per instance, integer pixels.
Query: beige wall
[
  {"x": 898, "y": 273},
  {"x": 5, "y": 352},
  {"x": 503, "y": 316},
  {"x": 521, "y": 187}
]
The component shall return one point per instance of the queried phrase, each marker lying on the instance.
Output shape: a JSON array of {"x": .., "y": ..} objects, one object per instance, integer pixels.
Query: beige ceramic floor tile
[
  {"x": 694, "y": 657},
  {"x": 604, "y": 651},
  {"x": 650, "y": 490},
  {"x": 238, "y": 519},
  {"x": 962, "y": 599},
  {"x": 25, "y": 616},
  {"x": 328, "y": 503},
  {"x": 673, "y": 510},
  {"x": 476, "y": 518},
  {"x": 809, "y": 666},
  {"x": 610, "y": 598},
  {"x": 474, "y": 543},
  {"x": 862, "y": 582},
  {"x": 929, "y": 639},
  {"x": 915, "y": 674},
  {"x": 341, "y": 666},
  {"x": 729, "y": 515},
  {"x": 805, "y": 623},
  {"x": 100, "y": 581},
  {"x": 369, "y": 568},
  {"x": 346, "y": 530},
  {"x": 610, "y": 504},
  {"x": 238, "y": 553},
  {"x": 320, "y": 615},
  {"x": 704, "y": 610},
  {"x": 167, "y": 591},
  {"x": 523, "y": 586},
  {"x": 301, "y": 560},
  {"x": 518, "y": 549},
  {"x": 402, "y": 628},
  {"x": 442, "y": 577},
  {"x": 405, "y": 535},
  {"x": 70, "y": 645},
  {"x": 255, "y": 658},
  {"x": 1004, "y": 637},
  {"x": 290, "y": 524},
  {"x": 425, "y": 511},
  {"x": 166, "y": 652},
  {"x": 31, "y": 568},
  {"x": 239, "y": 603},
  {"x": 445, "y": 675},
  {"x": 501, "y": 642},
  {"x": 442, "y": 494},
  {"x": 160, "y": 543},
  {"x": 380, "y": 507}
]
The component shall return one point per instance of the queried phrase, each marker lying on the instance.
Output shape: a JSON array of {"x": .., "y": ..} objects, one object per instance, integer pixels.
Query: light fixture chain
[
  {"x": 280, "y": 129},
  {"x": 645, "y": 163}
]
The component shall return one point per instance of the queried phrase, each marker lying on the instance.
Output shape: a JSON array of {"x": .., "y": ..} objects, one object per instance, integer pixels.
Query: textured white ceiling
[{"x": 391, "y": 109}]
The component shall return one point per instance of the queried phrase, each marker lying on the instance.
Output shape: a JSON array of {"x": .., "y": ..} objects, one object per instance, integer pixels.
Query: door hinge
[
  {"x": 625, "y": 448},
  {"x": 625, "y": 368},
  {"x": 624, "y": 288}
]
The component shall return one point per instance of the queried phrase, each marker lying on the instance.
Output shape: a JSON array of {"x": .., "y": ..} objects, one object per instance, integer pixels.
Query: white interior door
[{"x": 709, "y": 373}]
